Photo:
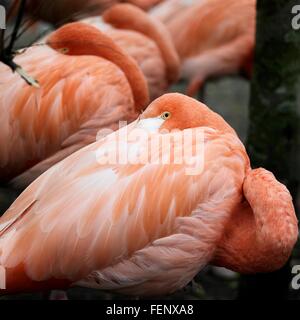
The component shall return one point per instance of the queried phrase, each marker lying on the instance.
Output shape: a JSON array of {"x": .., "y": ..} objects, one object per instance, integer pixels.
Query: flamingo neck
[
  {"x": 126, "y": 16},
  {"x": 89, "y": 40},
  {"x": 110, "y": 51}
]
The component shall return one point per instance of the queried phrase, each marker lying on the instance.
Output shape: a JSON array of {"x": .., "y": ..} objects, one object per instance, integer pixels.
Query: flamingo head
[
  {"x": 75, "y": 38},
  {"x": 177, "y": 111}
]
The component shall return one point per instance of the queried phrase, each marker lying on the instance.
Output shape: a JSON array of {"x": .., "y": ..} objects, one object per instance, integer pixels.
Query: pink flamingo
[
  {"x": 96, "y": 88},
  {"x": 148, "y": 228},
  {"x": 212, "y": 37},
  {"x": 146, "y": 40}
]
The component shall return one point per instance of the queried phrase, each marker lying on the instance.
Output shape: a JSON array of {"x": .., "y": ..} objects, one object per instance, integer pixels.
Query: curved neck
[
  {"x": 134, "y": 75},
  {"x": 272, "y": 208},
  {"x": 91, "y": 41},
  {"x": 263, "y": 230},
  {"x": 126, "y": 16}
]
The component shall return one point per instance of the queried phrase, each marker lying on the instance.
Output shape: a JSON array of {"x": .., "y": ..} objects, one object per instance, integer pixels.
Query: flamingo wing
[{"x": 78, "y": 95}]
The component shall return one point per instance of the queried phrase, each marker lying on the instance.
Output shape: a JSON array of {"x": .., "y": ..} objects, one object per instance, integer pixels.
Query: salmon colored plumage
[
  {"x": 147, "y": 229},
  {"x": 260, "y": 228},
  {"x": 145, "y": 39},
  {"x": 96, "y": 87},
  {"x": 170, "y": 9},
  {"x": 212, "y": 37}
]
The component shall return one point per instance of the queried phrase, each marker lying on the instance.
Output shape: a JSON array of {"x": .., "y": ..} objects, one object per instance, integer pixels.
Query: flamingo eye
[
  {"x": 166, "y": 115},
  {"x": 63, "y": 50}
]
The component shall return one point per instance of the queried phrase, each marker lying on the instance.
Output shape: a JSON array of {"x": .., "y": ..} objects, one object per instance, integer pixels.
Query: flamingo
[
  {"x": 97, "y": 87},
  {"x": 212, "y": 37},
  {"x": 146, "y": 228},
  {"x": 146, "y": 40}
]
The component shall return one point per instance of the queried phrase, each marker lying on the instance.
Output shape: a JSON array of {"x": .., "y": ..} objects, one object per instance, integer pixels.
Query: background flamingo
[
  {"x": 77, "y": 97},
  {"x": 213, "y": 38},
  {"x": 147, "y": 229},
  {"x": 42, "y": 16},
  {"x": 146, "y": 40}
]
